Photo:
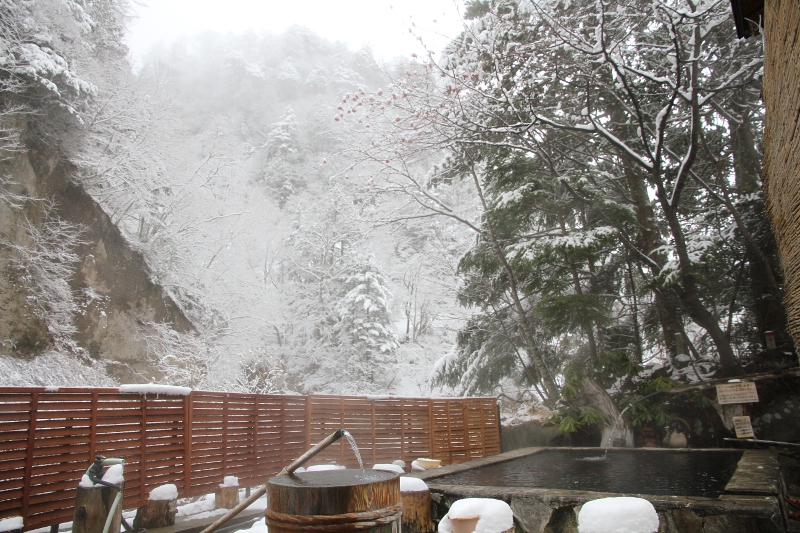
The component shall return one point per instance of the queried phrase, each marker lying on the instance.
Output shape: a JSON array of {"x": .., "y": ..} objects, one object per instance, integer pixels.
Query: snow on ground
[
  {"x": 618, "y": 515},
  {"x": 10, "y": 524},
  {"x": 495, "y": 515}
]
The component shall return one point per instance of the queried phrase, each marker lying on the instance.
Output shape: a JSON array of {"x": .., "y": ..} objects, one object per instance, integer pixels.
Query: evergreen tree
[{"x": 365, "y": 312}]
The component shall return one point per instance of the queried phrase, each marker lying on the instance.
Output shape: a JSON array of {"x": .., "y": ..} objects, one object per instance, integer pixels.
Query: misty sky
[{"x": 383, "y": 24}]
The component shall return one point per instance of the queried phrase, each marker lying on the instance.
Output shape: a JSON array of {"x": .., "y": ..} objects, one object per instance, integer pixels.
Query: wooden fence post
[
  {"x": 143, "y": 451},
  {"x": 93, "y": 428},
  {"x": 374, "y": 444},
  {"x": 432, "y": 432},
  {"x": 254, "y": 447},
  {"x": 225, "y": 435},
  {"x": 188, "y": 401},
  {"x": 26, "y": 489},
  {"x": 308, "y": 422}
]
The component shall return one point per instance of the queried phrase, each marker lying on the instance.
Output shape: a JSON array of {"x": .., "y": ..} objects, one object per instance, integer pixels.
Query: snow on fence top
[
  {"x": 148, "y": 388},
  {"x": 194, "y": 439}
]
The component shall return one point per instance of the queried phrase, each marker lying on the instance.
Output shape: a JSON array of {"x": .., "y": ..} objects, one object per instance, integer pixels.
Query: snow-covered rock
[
  {"x": 495, "y": 515},
  {"x": 618, "y": 515}
]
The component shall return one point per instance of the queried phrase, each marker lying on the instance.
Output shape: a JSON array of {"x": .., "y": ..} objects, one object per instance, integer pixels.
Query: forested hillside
[{"x": 220, "y": 162}]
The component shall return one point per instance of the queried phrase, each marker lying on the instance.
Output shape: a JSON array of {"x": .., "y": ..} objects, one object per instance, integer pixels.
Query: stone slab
[{"x": 758, "y": 472}]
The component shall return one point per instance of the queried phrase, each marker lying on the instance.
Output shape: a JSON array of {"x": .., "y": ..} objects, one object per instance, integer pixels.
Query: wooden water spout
[{"x": 321, "y": 445}]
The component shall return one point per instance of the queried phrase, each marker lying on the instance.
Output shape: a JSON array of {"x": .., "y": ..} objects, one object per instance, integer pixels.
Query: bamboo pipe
[{"x": 321, "y": 445}]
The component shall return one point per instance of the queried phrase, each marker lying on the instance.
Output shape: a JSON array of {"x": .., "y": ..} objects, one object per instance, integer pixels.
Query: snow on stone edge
[
  {"x": 618, "y": 515},
  {"x": 496, "y": 515}
]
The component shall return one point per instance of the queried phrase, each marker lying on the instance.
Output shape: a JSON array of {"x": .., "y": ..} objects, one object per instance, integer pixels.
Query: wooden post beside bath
[{"x": 92, "y": 505}]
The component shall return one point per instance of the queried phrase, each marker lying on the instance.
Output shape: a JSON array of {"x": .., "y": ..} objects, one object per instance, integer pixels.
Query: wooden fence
[{"x": 48, "y": 438}]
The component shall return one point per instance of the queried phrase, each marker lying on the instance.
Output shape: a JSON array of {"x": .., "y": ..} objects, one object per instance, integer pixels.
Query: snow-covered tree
[
  {"x": 365, "y": 312},
  {"x": 592, "y": 135}
]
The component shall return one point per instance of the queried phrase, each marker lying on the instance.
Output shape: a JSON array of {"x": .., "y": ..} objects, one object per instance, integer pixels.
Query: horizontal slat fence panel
[{"x": 50, "y": 437}]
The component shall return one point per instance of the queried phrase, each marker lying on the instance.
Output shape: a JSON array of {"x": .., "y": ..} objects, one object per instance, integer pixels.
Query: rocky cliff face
[{"x": 108, "y": 300}]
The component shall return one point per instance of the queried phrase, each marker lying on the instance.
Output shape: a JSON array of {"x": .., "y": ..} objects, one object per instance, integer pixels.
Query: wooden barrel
[{"x": 334, "y": 500}]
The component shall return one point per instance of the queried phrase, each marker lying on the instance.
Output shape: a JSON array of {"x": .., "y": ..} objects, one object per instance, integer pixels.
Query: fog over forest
[{"x": 562, "y": 207}]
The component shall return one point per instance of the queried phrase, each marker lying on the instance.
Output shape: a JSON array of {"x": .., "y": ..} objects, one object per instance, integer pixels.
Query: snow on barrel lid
[{"x": 618, "y": 515}]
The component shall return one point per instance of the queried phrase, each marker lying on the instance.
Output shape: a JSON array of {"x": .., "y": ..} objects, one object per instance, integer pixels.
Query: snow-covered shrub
[
  {"x": 182, "y": 358},
  {"x": 54, "y": 369},
  {"x": 43, "y": 266}
]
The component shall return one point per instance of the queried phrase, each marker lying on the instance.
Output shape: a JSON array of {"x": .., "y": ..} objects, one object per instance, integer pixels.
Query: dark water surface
[{"x": 645, "y": 472}]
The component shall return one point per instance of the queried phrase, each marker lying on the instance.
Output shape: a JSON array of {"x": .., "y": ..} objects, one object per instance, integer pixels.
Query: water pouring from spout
[
  {"x": 610, "y": 438},
  {"x": 346, "y": 434}
]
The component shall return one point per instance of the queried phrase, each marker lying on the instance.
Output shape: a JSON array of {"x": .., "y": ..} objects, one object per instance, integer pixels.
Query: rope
[{"x": 338, "y": 522}]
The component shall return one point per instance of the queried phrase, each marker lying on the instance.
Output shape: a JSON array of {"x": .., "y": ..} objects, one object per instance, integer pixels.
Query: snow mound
[
  {"x": 114, "y": 475},
  {"x": 230, "y": 481},
  {"x": 321, "y": 468},
  {"x": 11, "y": 523},
  {"x": 415, "y": 467},
  {"x": 388, "y": 468},
  {"x": 400, "y": 463},
  {"x": 618, "y": 515},
  {"x": 148, "y": 388},
  {"x": 412, "y": 484},
  {"x": 164, "y": 492},
  {"x": 496, "y": 515}
]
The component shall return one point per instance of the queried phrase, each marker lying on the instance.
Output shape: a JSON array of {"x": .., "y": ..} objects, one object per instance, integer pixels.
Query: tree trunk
[
  {"x": 594, "y": 395},
  {"x": 666, "y": 304},
  {"x": 92, "y": 505}
]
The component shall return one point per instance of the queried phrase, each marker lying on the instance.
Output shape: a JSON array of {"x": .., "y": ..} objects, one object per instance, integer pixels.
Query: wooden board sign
[
  {"x": 744, "y": 429},
  {"x": 742, "y": 392}
]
